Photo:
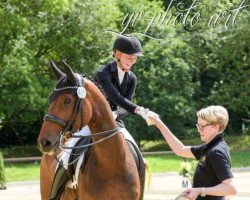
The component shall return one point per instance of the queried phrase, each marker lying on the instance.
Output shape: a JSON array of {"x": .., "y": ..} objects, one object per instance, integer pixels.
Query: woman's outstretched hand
[
  {"x": 155, "y": 119},
  {"x": 146, "y": 114}
]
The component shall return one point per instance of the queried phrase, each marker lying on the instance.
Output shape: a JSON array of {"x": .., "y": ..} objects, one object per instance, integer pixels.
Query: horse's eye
[{"x": 67, "y": 101}]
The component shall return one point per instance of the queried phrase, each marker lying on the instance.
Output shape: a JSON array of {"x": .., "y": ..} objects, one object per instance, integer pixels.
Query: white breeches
[{"x": 85, "y": 131}]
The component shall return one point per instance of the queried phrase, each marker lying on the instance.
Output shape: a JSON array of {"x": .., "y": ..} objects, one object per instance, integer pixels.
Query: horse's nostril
[{"x": 46, "y": 143}]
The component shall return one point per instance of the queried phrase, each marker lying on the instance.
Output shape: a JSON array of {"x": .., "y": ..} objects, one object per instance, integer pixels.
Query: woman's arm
[
  {"x": 225, "y": 188},
  {"x": 174, "y": 143}
]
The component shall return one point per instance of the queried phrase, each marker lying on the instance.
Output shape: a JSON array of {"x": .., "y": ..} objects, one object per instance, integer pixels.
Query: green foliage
[
  {"x": 222, "y": 67},
  {"x": 238, "y": 142},
  {"x": 2, "y": 173},
  {"x": 192, "y": 66},
  {"x": 166, "y": 86},
  {"x": 21, "y": 151},
  {"x": 187, "y": 169},
  {"x": 34, "y": 32}
]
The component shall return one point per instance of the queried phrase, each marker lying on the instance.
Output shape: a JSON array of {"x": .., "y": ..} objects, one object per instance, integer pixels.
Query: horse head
[{"x": 69, "y": 110}]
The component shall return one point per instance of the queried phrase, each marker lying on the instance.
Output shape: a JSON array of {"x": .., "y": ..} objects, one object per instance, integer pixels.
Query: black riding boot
[{"x": 60, "y": 180}]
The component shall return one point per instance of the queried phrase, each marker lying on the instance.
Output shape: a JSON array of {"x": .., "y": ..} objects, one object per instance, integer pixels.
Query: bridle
[
  {"x": 68, "y": 125},
  {"x": 81, "y": 93}
]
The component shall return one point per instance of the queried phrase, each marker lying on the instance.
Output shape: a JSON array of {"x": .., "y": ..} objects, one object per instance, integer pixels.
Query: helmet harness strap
[{"x": 117, "y": 55}]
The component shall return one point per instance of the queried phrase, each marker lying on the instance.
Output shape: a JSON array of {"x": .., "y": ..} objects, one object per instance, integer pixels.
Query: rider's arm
[
  {"x": 103, "y": 77},
  {"x": 121, "y": 112}
]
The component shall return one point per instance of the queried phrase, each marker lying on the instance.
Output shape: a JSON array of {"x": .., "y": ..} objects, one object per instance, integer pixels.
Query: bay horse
[{"x": 110, "y": 172}]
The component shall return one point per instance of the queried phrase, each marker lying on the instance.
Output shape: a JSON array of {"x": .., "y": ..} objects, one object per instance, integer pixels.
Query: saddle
[{"x": 73, "y": 167}]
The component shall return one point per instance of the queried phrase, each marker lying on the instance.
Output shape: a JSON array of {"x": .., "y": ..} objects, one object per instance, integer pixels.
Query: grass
[
  {"x": 22, "y": 172},
  {"x": 164, "y": 163},
  {"x": 161, "y": 163},
  {"x": 240, "y": 158},
  {"x": 241, "y": 142},
  {"x": 172, "y": 163}
]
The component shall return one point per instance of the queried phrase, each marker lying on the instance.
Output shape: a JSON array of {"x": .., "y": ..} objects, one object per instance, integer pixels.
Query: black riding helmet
[{"x": 128, "y": 44}]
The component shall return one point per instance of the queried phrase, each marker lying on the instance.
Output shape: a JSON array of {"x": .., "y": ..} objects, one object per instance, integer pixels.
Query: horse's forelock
[{"x": 62, "y": 83}]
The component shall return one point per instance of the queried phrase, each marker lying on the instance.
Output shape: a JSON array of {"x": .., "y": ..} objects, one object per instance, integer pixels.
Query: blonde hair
[{"x": 215, "y": 115}]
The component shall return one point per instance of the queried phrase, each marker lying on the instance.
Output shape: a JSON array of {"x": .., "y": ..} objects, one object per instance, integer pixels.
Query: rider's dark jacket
[{"x": 118, "y": 95}]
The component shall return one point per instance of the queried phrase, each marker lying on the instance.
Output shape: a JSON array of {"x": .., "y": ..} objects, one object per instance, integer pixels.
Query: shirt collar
[
  {"x": 114, "y": 67},
  {"x": 216, "y": 139},
  {"x": 120, "y": 72}
]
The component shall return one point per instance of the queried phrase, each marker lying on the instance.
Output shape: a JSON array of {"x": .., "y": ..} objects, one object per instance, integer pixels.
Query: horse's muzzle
[{"x": 46, "y": 146}]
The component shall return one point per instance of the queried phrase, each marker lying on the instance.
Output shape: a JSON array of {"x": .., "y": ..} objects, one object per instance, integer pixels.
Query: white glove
[{"x": 146, "y": 113}]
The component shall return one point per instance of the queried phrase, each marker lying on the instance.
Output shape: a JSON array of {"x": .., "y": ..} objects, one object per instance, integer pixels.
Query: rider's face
[{"x": 127, "y": 61}]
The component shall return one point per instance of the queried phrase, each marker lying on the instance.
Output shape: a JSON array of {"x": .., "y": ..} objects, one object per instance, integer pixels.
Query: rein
[
  {"x": 112, "y": 132},
  {"x": 74, "y": 84}
]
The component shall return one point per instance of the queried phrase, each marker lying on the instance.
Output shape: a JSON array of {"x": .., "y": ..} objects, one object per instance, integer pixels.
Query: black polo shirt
[
  {"x": 214, "y": 165},
  {"x": 118, "y": 95}
]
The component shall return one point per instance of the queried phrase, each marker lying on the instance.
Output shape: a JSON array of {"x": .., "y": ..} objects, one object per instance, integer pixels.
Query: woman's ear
[
  {"x": 117, "y": 54},
  {"x": 217, "y": 126}
]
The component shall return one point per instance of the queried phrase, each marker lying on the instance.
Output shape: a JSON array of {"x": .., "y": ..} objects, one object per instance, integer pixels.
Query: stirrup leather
[{"x": 60, "y": 180}]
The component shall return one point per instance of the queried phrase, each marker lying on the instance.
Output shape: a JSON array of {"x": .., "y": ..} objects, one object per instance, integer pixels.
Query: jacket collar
[{"x": 114, "y": 70}]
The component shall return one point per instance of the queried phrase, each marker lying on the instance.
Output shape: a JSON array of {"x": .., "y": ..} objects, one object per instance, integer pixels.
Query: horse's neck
[
  {"x": 111, "y": 146},
  {"x": 102, "y": 120}
]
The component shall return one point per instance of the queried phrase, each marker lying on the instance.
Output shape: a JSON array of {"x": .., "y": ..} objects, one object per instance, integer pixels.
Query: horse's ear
[
  {"x": 69, "y": 73},
  {"x": 55, "y": 69}
]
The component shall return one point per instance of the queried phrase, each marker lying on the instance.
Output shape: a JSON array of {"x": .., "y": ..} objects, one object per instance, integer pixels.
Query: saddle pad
[{"x": 74, "y": 160}]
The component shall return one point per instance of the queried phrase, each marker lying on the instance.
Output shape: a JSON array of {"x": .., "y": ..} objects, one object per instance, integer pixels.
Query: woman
[{"x": 213, "y": 179}]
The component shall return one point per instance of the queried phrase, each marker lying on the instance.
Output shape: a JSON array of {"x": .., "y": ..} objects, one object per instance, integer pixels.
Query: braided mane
[{"x": 96, "y": 83}]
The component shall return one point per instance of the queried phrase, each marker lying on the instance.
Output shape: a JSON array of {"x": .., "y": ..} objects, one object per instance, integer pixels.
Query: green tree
[
  {"x": 164, "y": 77},
  {"x": 34, "y": 32},
  {"x": 220, "y": 63},
  {"x": 233, "y": 64},
  {"x": 192, "y": 66}
]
